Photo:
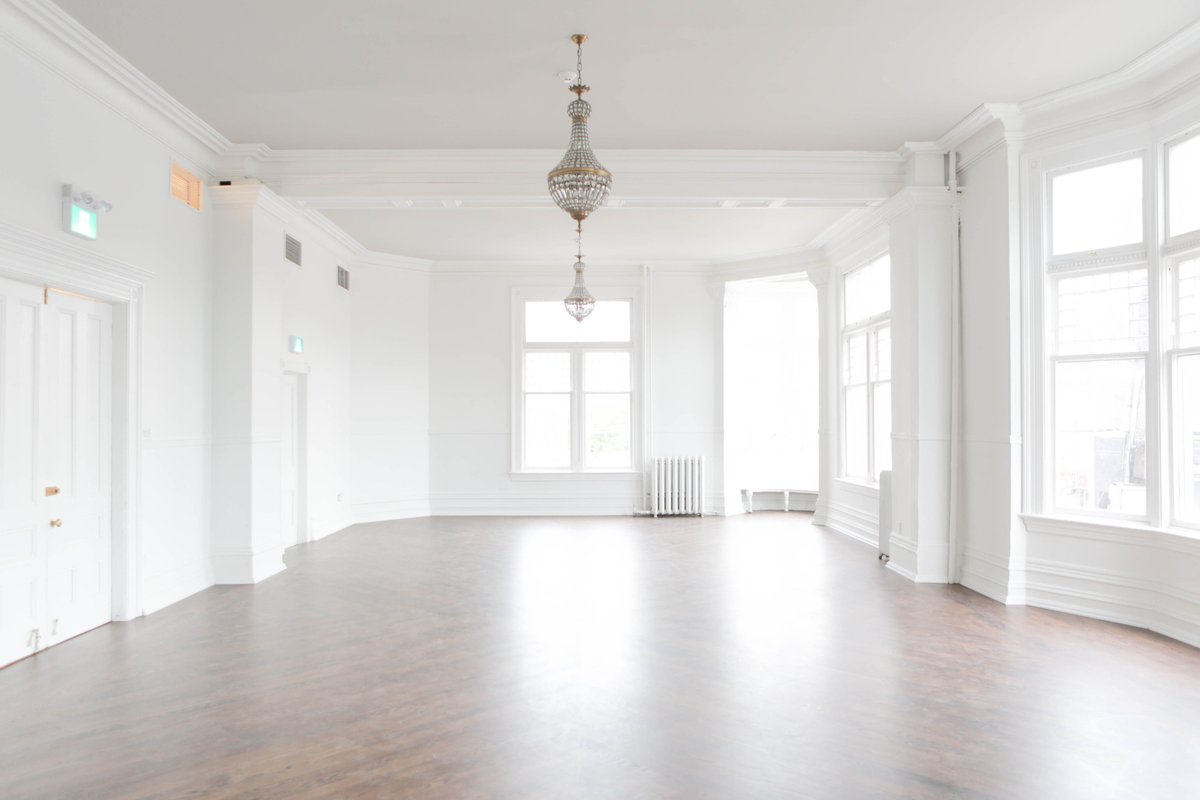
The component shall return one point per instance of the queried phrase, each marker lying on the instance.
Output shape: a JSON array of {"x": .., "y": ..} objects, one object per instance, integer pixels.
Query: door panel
[
  {"x": 55, "y": 465},
  {"x": 78, "y": 554},
  {"x": 291, "y": 466}
]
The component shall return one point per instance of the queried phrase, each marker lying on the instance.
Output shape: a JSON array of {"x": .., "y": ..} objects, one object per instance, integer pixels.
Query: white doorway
[
  {"x": 55, "y": 467},
  {"x": 292, "y": 417}
]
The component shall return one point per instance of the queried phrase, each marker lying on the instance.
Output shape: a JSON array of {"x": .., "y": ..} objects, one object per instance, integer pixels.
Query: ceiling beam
[{"x": 441, "y": 179}]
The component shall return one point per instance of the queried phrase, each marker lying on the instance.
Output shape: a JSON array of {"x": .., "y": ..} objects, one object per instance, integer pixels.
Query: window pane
[
  {"x": 868, "y": 290},
  {"x": 608, "y": 430},
  {"x": 881, "y": 367},
  {"x": 856, "y": 432},
  {"x": 1103, "y": 313},
  {"x": 1187, "y": 304},
  {"x": 548, "y": 431},
  {"x": 1098, "y": 207},
  {"x": 855, "y": 359},
  {"x": 606, "y": 372},
  {"x": 1184, "y": 166},
  {"x": 547, "y": 372},
  {"x": 1187, "y": 438},
  {"x": 1100, "y": 443},
  {"x": 548, "y": 321},
  {"x": 883, "y": 427}
]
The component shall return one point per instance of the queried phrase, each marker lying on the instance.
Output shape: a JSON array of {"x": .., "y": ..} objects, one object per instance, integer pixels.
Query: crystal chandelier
[{"x": 580, "y": 183}]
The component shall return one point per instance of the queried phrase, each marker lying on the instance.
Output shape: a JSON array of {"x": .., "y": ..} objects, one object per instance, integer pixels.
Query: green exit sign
[
  {"x": 81, "y": 212},
  {"x": 84, "y": 223}
]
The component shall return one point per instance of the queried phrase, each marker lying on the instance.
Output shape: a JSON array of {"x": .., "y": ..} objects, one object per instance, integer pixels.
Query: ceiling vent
[
  {"x": 291, "y": 249},
  {"x": 344, "y": 278}
]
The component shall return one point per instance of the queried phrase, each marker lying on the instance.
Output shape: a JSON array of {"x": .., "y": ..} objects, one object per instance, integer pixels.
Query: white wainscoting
[
  {"x": 854, "y": 511},
  {"x": 1133, "y": 575}
]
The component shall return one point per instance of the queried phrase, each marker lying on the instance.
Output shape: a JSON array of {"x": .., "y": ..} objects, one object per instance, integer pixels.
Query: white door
[
  {"x": 290, "y": 419},
  {"x": 55, "y": 488}
]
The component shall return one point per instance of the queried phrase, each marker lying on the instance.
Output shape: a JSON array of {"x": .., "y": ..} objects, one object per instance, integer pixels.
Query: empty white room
[{"x": 649, "y": 399}]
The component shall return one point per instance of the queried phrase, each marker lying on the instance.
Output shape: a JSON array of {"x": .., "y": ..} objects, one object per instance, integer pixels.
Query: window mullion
[{"x": 1158, "y": 467}]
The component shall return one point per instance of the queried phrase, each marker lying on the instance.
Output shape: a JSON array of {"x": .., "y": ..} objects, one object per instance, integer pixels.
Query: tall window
[
  {"x": 575, "y": 388},
  {"x": 1122, "y": 338},
  {"x": 867, "y": 371}
]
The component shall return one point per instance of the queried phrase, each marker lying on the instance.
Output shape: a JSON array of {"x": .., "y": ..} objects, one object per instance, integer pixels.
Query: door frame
[
  {"x": 54, "y": 262},
  {"x": 299, "y": 370}
]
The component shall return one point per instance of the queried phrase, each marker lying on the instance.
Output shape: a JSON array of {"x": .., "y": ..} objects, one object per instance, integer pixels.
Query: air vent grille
[
  {"x": 344, "y": 278},
  {"x": 291, "y": 249}
]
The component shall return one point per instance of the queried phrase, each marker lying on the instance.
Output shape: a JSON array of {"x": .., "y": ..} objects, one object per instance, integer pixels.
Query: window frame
[
  {"x": 870, "y": 327},
  {"x": 1172, "y": 352},
  {"x": 1158, "y": 253},
  {"x": 577, "y": 350}
]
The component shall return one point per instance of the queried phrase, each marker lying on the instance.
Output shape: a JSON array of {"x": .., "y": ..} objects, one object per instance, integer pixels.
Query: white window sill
[
  {"x": 859, "y": 484},
  {"x": 624, "y": 475},
  {"x": 1099, "y": 524}
]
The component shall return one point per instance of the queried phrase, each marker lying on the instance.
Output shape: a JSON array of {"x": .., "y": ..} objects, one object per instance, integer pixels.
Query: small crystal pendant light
[{"x": 579, "y": 302}]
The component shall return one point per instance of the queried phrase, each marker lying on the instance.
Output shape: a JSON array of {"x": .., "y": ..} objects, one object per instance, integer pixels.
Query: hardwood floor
[{"x": 746, "y": 657}]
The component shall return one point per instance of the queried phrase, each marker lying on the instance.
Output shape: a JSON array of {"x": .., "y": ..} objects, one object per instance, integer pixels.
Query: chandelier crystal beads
[
  {"x": 580, "y": 183},
  {"x": 579, "y": 302}
]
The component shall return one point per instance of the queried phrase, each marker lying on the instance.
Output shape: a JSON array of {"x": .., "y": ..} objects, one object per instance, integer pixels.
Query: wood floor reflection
[{"x": 747, "y": 657}]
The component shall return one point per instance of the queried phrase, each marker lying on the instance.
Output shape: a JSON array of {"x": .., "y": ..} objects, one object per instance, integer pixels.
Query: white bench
[{"x": 748, "y": 497}]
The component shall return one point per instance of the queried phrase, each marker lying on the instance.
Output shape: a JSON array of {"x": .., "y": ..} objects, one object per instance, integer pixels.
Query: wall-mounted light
[{"x": 81, "y": 212}]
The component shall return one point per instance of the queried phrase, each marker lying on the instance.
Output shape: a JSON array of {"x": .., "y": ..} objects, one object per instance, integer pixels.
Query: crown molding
[
  {"x": 252, "y": 193},
  {"x": 372, "y": 258},
  {"x": 49, "y": 35},
  {"x": 36, "y": 256}
]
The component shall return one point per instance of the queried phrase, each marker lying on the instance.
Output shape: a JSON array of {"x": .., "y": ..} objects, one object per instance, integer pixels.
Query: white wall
[
  {"x": 471, "y": 355},
  {"x": 54, "y": 133},
  {"x": 315, "y": 308},
  {"x": 389, "y": 382}
]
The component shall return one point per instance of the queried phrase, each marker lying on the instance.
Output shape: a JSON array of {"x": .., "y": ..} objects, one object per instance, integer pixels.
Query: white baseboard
[
  {"x": 853, "y": 522},
  {"x": 510, "y": 505},
  {"x": 245, "y": 567},
  {"x": 1114, "y": 597},
  {"x": 386, "y": 510},
  {"x": 987, "y": 575}
]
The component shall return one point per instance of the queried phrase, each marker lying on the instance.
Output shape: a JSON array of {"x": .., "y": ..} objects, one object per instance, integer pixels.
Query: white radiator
[{"x": 677, "y": 486}]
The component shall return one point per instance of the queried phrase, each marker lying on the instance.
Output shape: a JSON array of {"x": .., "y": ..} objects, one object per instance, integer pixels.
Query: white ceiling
[
  {"x": 614, "y": 234},
  {"x": 778, "y": 74}
]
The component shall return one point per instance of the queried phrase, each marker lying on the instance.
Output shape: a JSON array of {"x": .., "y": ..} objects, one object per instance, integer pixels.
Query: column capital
[{"x": 818, "y": 276}]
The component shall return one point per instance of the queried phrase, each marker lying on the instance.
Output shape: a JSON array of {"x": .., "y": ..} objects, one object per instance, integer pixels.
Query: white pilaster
[
  {"x": 827, "y": 398},
  {"x": 922, "y": 242},
  {"x": 247, "y": 457}
]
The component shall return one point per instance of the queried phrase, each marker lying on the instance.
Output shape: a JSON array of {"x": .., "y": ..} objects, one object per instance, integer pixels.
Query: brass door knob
[{"x": 56, "y": 523}]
